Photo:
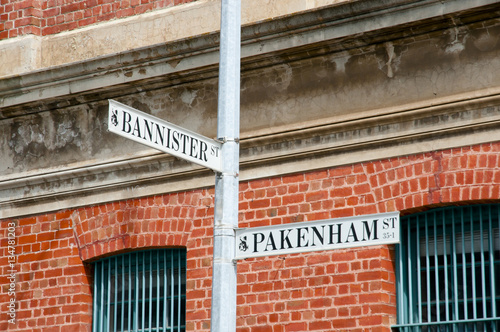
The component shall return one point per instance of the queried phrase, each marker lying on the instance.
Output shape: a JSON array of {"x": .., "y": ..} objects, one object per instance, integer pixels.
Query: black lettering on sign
[
  {"x": 194, "y": 144},
  {"x": 284, "y": 238},
  {"x": 338, "y": 233},
  {"x": 257, "y": 241},
  {"x": 270, "y": 242},
  {"x": 169, "y": 134},
  {"x": 319, "y": 236},
  {"x": 203, "y": 151},
  {"x": 302, "y": 237},
  {"x": 214, "y": 151},
  {"x": 367, "y": 232},
  {"x": 126, "y": 128},
  {"x": 148, "y": 130},
  {"x": 136, "y": 131},
  {"x": 352, "y": 234},
  {"x": 389, "y": 223},
  {"x": 159, "y": 133},
  {"x": 185, "y": 138},
  {"x": 175, "y": 140}
]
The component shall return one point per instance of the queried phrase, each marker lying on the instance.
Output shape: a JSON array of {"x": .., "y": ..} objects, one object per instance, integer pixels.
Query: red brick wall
[
  {"x": 348, "y": 289},
  {"x": 46, "y": 17},
  {"x": 52, "y": 284}
]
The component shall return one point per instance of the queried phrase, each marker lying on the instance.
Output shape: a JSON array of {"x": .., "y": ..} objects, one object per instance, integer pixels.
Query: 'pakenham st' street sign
[
  {"x": 164, "y": 136},
  {"x": 329, "y": 234}
]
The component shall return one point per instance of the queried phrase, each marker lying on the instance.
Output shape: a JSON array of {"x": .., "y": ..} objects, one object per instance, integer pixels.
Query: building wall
[
  {"x": 348, "y": 289},
  {"x": 43, "y": 18},
  {"x": 37, "y": 34},
  {"x": 348, "y": 108}
]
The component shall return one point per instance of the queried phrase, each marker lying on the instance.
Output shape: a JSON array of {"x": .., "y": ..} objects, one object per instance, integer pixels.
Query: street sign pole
[{"x": 223, "y": 311}]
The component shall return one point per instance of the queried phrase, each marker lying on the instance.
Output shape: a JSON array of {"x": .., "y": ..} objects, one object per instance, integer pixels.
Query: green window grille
[
  {"x": 448, "y": 270},
  {"x": 140, "y": 291}
]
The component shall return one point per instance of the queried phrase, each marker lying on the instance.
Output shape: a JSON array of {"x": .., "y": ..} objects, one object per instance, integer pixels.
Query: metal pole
[{"x": 226, "y": 183}]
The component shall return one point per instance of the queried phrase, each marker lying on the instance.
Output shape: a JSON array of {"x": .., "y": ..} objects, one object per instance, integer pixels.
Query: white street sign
[
  {"x": 329, "y": 234},
  {"x": 164, "y": 136}
]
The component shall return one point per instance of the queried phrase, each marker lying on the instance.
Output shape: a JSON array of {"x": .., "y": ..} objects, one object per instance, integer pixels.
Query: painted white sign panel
[
  {"x": 328, "y": 234},
  {"x": 164, "y": 136}
]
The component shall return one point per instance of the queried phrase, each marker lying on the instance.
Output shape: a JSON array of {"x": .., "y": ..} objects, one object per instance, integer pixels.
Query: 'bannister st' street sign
[{"x": 164, "y": 136}]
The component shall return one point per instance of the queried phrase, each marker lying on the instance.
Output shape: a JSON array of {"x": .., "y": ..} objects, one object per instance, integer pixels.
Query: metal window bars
[
  {"x": 140, "y": 291},
  {"x": 448, "y": 267}
]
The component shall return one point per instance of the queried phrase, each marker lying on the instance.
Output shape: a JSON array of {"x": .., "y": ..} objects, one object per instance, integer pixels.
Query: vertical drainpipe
[{"x": 223, "y": 311}]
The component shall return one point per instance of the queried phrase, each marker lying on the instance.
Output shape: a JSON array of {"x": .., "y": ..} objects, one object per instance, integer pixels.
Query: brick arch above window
[
  {"x": 417, "y": 182},
  {"x": 161, "y": 221}
]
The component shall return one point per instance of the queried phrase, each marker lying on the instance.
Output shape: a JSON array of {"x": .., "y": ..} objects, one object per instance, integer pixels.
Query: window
[
  {"x": 140, "y": 291},
  {"x": 448, "y": 265}
]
